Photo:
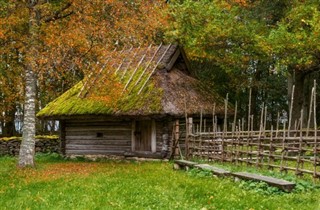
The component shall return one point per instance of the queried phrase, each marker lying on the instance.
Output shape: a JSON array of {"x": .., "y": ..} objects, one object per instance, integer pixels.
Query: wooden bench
[
  {"x": 279, "y": 183},
  {"x": 214, "y": 170},
  {"x": 178, "y": 164}
]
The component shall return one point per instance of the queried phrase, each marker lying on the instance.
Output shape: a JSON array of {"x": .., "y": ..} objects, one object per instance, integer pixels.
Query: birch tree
[{"x": 49, "y": 38}]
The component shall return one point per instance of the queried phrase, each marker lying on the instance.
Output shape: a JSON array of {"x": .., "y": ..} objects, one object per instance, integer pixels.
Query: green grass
[{"x": 76, "y": 184}]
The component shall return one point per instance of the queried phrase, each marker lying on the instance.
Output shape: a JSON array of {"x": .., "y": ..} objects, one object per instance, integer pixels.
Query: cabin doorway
[{"x": 144, "y": 136}]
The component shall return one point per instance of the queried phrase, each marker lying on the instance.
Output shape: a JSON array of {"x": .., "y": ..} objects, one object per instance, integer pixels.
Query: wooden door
[{"x": 143, "y": 135}]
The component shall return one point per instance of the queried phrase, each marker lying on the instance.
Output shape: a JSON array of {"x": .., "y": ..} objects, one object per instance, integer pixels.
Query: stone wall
[{"x": 11, "y": 146}]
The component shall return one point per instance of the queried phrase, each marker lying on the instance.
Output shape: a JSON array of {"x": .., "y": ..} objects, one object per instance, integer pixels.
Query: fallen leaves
[{"x": 57, "y": 171}]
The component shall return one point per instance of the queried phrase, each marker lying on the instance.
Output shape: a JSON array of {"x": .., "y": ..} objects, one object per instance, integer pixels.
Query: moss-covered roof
[{"x": 140, "y": 81}]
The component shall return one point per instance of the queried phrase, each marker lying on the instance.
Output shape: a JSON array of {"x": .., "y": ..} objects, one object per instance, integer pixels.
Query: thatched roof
[{"x": 138, "y": 81}]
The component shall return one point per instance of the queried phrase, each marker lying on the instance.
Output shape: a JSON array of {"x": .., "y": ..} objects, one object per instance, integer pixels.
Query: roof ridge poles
[
  {"x": 113, "y": 64},
  {"x": 89, "y": 77},
  {"x": 154, "y": 69},
  {"x": 134, "y": 56},
  {"x": 135, "y": 70},
  {"x": 119, "y": 67},
  {"x": 145, "y": 69}
]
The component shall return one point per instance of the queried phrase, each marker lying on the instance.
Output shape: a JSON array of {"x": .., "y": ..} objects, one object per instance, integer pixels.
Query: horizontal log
[
  {"x": 142, "y": 154},
  {"x": 95, "y": 138},
  {"x": 98, "y": 147},
  {"x": 99, "y": 128},
  {"x": 215, "y": 170},
  {"x": 102, "y": 123},
  {"x": 185, "y": 163},
  {"x": 94, "y": 133},
  {"x": 95, "y": 152},
  {"x": 279, "y": 183},
  {"x": 99, "y": 142}
]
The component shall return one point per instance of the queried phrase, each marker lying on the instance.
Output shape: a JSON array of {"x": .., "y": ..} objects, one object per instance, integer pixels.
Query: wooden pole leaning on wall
[
  {"x": 191, "y": 138},
  {"x": 186, "y": 143},
  {"x": 200, "y": 135},
  {"x": 315, "y": 145},
  {"x": 177, "y": 138},
  {"x": 177, "y": 130}
]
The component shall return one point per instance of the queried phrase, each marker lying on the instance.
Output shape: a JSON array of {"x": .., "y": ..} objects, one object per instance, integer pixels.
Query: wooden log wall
[
  {"x": 97, "y": 137},
  {"x": 163, "y": 134},
  {"x": 112, "y": 137}
]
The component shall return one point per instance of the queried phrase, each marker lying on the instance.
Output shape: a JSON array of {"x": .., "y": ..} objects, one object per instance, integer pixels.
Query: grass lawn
[{"x": 62, "y": 184}]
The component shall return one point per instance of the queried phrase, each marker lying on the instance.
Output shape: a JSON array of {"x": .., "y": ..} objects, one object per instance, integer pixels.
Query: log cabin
[{"x": 129, "y": 107}]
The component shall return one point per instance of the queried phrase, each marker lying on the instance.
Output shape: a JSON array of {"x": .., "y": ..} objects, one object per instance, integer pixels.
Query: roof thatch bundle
[{"x": 138, "y": 81}]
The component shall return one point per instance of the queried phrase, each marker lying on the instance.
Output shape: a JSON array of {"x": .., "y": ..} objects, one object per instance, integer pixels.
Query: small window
[{"x": 99, "y": 135}]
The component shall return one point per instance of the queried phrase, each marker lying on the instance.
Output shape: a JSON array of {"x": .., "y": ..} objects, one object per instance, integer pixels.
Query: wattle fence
[
  {"x": 292, "y": 147},
  {"x": 296, "y": 151}
]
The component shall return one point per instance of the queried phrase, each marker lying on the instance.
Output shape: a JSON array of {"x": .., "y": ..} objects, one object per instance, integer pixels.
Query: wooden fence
[
  {"x": 296, "y": 149},
  {"x": 297, "y": 152}
]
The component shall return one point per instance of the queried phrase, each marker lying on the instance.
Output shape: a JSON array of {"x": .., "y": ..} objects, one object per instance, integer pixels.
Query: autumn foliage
[{"x": 71, "y": 39}]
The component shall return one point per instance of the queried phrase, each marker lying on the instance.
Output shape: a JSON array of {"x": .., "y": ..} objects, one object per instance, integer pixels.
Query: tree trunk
[
  {"x": 255, "y": 104},
  {"x": 9, "y": 127},
  {"x": 27, "y": 148},
  {"x": 301, "y": 97}
]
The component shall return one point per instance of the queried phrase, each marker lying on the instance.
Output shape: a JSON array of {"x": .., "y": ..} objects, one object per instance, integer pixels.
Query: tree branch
[{"x": 58, "y": 14}]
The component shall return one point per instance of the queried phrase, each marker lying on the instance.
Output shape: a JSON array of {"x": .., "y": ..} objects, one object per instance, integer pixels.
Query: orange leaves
[
  {"x": 57, "y": 170},
  {"x": 241, "y": 2},
  {"x": 94, "y": 26},
  {"x": 106, "y": 89},
  {"x": 136, "y": 22},
  {"x": 76, "y": 38}
]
